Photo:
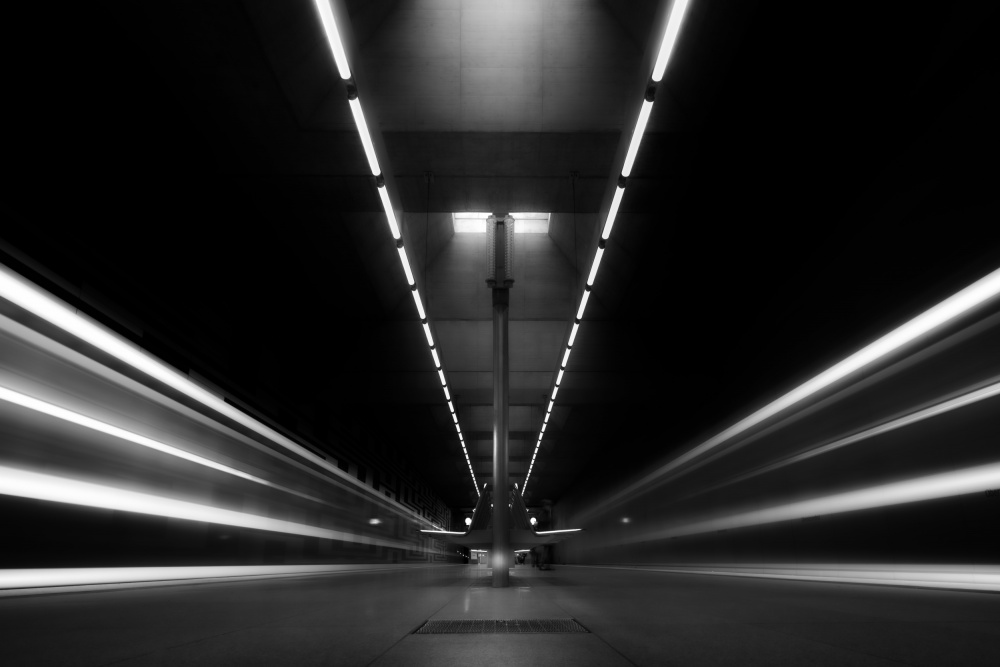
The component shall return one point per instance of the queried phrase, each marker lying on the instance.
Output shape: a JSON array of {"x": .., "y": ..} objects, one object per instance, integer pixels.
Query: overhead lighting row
[
  {"x": 670, "y": 34},
  {"x": 343, "y": 67}
]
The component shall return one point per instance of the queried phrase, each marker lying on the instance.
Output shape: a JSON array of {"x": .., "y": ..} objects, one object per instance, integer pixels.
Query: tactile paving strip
[{"x": 497, "y": 626}]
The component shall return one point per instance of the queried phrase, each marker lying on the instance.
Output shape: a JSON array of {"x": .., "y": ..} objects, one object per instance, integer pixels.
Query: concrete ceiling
[{"x": 808, "y": 180}]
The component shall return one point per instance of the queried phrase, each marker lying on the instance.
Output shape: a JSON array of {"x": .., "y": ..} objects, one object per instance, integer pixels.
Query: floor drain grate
[{"x": 495, "y": 626}]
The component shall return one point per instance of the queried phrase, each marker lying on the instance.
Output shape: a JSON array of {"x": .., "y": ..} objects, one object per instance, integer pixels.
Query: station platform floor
[{"x": 633, "y": 617}]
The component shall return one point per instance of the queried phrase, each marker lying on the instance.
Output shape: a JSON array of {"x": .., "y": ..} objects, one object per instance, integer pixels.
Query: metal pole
[
  {"x": 501, "y": 367},
  {"x": 501, "y": 279}
]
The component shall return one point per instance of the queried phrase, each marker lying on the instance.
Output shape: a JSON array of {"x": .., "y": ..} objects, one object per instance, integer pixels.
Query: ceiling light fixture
[
  {"x": 333, "y": 37},
  {"x": 616, "y": 202},
  {"x": 640, "y": 128},
  {"x": 669, "y": 38},
  {"x": 366, "y": 138},
  {"x": 596, "y": 264}
]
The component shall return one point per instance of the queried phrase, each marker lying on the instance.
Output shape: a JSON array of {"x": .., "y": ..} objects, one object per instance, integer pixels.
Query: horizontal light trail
[
  {"x": 928, "y": 487},
  {"x": 15, "y": 580},
  {"x": 63, "y": 414},
  {"x": 944, "y": 407},
  {"x": 557, "y": 532},
  {"x": 961, "y": 303},
  {"x": 37, "y": 301},
  {"x": 962, "y": 577},
  {"x": 38, "y": 486}
]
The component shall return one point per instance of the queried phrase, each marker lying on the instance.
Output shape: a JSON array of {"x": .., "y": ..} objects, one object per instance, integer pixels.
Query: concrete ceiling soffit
[
  {"x": 292, "y": 38},
  {"x": 370, "y": 235},
  {"x": 558, "y": 67},
  {"x": 634, "y": 17},
  {"x": 367, "y": 16},
  {"x": 572, "y": 234},
  {"x": 426, "y": 235}
]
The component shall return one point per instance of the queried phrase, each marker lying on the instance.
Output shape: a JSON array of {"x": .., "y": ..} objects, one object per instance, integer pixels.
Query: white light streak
[
  {"x": 583, "y": 304},
  {"x": 437, "y": 361},
  {"x": 419, "y": 304},
  {"x": 27, "y": 484},
  {"x": 406, "y": 266},
  {"x": 390, "y": 214},
  {"x": 612, "y": 214},
  {"x": 948, "y": 310},
  {"x": 572, "y": 333},
  {"x": 669, "y": 38},
  {"x": 427, "y": 334},
  {"x": 366, "y": 138},
  {"x": 633, "y": 147},
  {"x": 333, "y": 38},
  {"x": 596, "y": 265},
  {"x": 441, "y": 375},
  {"x": 559, "y": 377},
  {"x": 555, "y": 390},
  {"x": 565, "y": 359}
]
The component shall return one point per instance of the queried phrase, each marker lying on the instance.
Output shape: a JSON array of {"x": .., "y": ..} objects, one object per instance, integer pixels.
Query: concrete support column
[{"x": 501, "y": 279}]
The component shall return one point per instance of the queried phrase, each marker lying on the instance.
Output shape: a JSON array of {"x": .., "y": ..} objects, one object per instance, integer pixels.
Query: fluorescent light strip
[
  {"x": 559, "y": 376},
  {"x": 443, "y": 532},
  {"x": 609, "y": 222},
  {"x": 583, "y": 304},
  {"x": 454, "y": 417},
  {"x": 390, "y": 214},
  {"x": 63, "y": 414},
  {"x": 565, "y": 359},
  {"x": 427, "y": 334},
  {"x": 451, "y": 407},
  {"x": 366, "y": 138},
  {"x": 441, "y": 375},
  {"x": 333, "y": 37},
  {"x": 572, "y": 334},
  {"x": 594, "y": 266},
  {"x": 447, "y": 394},
  {"x": 437, "y": 362},
  {"x": 557, "y": 532},
  {"x": 930, "y": 487},
  {"x": 26, "y": 484},
  {"x": 419, "y": 304},
  {"x": 547, "y": 415},
  {"x": 555, "y": 390},
  {"x": 951, "y": 308},
  {"x": 406, "y": 264},
  {"x": 633, "y": 147},
  {"x": 669, "y": 38}
]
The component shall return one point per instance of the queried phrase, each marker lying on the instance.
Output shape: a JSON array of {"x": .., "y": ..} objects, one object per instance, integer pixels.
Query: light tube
[
  {"x": 441, "y": 375},
  {"x": 437, "y": 361},
  {"x": 406, "y": 266},
  {"x": 595, "y": 266},
  {"x": 451, "y": 406},
  {"x": 669, "y": 38},
  {"x": 390, "y": 214},
  {"x": 556, "y": 532},
  {"x": 458, "y": 429},
  {"x": 546, "y": 420},
  {"x": 420, "y": 306},
  {"x": 333, "y": 37},
  {"x": 566, "y": 356},
  {"x": 366, "y": 138},
  {"x": 454, "y": 417},
  {"x": 559, "y": 378},
  {"x": 612, "y": 214},
  {"x": 544, "y": 426},
  {"x": 583, "y": 304},
  {"x": 572, "y": 333},
  {"x": 549, "y": 409},
  {"x": 633, "y": 147},
  {"x": 427, "y": 334},
  {"x": 555, "y": 390},
  {"x": 447, "y": 394}
]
